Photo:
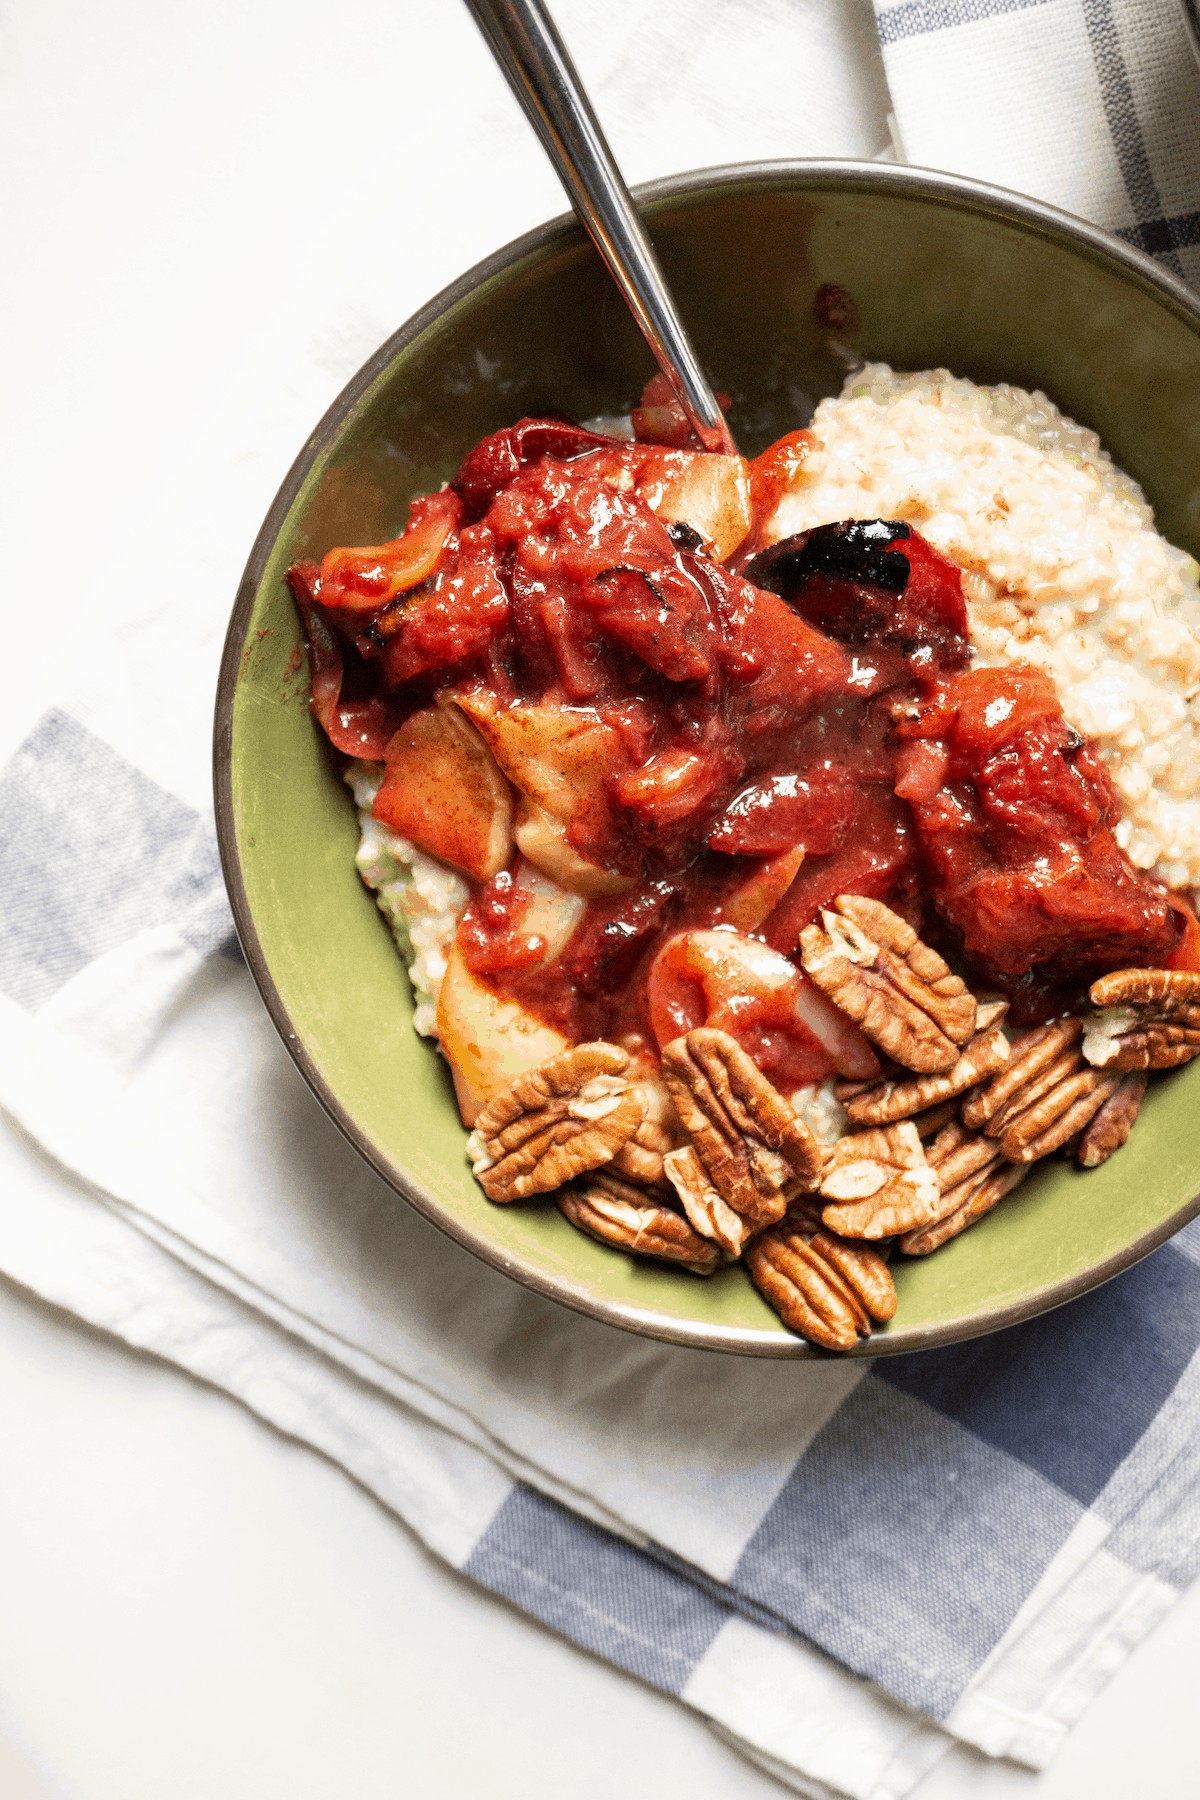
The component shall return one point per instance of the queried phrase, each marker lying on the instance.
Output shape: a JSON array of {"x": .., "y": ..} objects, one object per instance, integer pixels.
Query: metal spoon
[{"x": 523, "y": 39}]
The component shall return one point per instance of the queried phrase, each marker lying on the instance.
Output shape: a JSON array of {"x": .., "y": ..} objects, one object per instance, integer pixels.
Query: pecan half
[
  {"x": 962, "y": 1162},
  {"x": 615, "y": 1212},
  {"x": 1056, "y": 1116},
  {"x": 973, "y": 1198},
  {"x": 640, "y": 1158},
  {"x": 873, "y": 966},
  {"x": 1148, "y": 1019},
  {"x": 754, "y": 1149},
  {"x": 930, "y": 1122},
  {"x": 706, "y": 1212},
  {"x": 1029, "y": 1056},
  {"x": 568, "y": 1116},
  {"x": 889, "y": 1101},
  {"x": 880, "y": 1183},
  {"x": 826, "y": 1290},
  {"x": 1112, "y": 1124},
  {"x": 958, "y": 1155}
]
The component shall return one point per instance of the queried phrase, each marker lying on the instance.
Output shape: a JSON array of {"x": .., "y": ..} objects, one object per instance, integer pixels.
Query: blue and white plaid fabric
[
  {"x": 1091, "y": 104},
  {"x": 845, "y": 1568}
]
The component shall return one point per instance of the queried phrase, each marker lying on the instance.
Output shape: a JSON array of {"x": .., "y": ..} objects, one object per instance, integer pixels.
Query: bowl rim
[{"x": 794, "y": 173}]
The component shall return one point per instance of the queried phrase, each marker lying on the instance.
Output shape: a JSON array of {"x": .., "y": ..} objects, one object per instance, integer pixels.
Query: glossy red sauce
[{"x": 730, "y": 726}]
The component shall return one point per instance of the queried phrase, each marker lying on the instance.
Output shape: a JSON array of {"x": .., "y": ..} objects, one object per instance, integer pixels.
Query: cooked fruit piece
[
  {"x": 543, "y": 839},
  {"x": 443, "y": 791},
  {"x": 355, "y": 722},
  {"x": 488, "y": 1039},
  {"x": 814, "y": 808},
  {"x": 498, "y": 460},
  {"x": 739, "y": 985},
  {"x": 1017, "y": 844},
  {"x": 559, "y": 760},
  {"x": 751, "y": 905},
  {"x": 872, "y": 582},
  {"x": 712, "y": 495},
  {"x": 365, "y": 579}
]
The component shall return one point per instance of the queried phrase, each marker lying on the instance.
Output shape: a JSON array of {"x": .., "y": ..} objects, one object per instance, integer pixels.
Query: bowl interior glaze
[{"x": 942, "y": 273}]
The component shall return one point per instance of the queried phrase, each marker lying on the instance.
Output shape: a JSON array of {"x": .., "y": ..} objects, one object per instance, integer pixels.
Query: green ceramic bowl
[{"x": 944, "y": 272}]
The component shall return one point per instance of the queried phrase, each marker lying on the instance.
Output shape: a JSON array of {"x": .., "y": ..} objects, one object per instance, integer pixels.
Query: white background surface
[{"x": 210, "y": 215}]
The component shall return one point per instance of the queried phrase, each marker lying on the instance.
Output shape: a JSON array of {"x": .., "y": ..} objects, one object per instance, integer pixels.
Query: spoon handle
[{"x": 524, "y": 41}]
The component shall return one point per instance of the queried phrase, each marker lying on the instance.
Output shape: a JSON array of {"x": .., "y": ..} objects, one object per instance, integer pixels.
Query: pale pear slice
[
  {"x": 712, "y": 494},
  {"x": 542, "y": 839},
  {"x": 751, "y": 905},
  {"x": 488, "y": 1040},
  {"x": 558, "y": 758}
]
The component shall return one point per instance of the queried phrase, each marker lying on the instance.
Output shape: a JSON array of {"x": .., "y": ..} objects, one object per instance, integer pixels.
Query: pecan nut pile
[
  {"x": 968, "y": 1201},
  {"x": 568, "y": 1116},
  {"x": 754, "y": 1149},
  {"x": 711, "y": 1165},
  {"x": 1057, "y": 1116},
  {"x": 617, "y": 1212},
  {"x": 897, "y": 990},
  {"x": 1039, "y": 1056},
  {"x": 1146, "y": 1019},
  {"x": 1044, "y": 1098}
]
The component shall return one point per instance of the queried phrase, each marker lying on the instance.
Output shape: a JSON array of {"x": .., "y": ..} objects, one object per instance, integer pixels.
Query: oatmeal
[{"x": 421, "y": 898}]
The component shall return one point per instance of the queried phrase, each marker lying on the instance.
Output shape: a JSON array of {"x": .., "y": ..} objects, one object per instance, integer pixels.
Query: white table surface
[{"x": 209, "y": 215}]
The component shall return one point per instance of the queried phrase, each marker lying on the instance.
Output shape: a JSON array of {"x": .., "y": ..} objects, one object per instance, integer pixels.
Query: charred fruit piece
[{"x": 872, "y": 582}]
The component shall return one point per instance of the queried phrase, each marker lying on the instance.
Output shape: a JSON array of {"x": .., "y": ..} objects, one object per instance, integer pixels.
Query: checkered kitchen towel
[
  {"x": 845, "y": 1568},
  {"x": 1091, "y": 104}
]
